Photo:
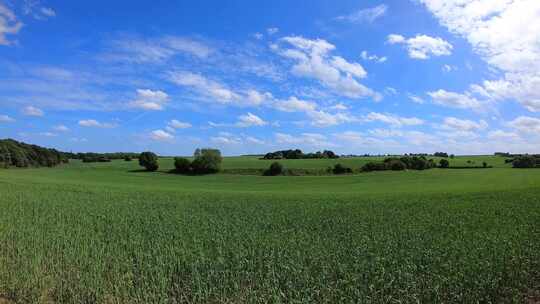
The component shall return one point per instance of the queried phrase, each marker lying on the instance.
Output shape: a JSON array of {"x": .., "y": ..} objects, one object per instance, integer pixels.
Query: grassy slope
[{"x": 99, "y": 233}]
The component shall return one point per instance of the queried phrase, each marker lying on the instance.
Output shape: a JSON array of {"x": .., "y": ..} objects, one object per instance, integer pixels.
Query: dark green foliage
[
  {"x": 444, "y": 163},
  {"x": 484, "y": 164},
  {"x": 128, "y": 158},
  {"x": 22, "y": 155},
  {"x": 182, "y": 165},
  {"x": 452, "y": 156},
  {"x": 527, "y": 161},
  {"x": 206, "y": 161},
  {"x": 441, "y": 154},
  {"x": 374, "y": 166},
  {"x": 298, "y": 154},
  {"x": 275, "y": 169},
  {"x": 340, "y": 169},
  {"x": 396, "y": 165},
  {"x": 149, "y": 160}
]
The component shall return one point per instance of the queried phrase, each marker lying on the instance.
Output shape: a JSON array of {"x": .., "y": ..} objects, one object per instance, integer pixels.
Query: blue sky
[{"x": 251, "y": 76}]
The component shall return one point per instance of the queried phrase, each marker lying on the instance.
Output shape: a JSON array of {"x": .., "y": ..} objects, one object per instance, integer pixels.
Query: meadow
[{"x": 109, "y": 233}]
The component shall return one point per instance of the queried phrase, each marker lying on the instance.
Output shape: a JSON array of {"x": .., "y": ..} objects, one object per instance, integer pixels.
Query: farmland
[{"x": 109, "y": 233}]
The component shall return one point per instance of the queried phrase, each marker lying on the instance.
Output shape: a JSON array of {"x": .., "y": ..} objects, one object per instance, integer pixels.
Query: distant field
[{"x": 108, "y": 233}]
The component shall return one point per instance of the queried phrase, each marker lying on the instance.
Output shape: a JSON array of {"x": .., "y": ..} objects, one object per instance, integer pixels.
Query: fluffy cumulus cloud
[
  {"x": 375, "y": 58},
  {"x": 176, "y": 124},
  {"x": 454, "y": 100},
  {"x": 160, "y": 135},
  {"x": 9, "y": 24},
  {"x": 32, "y": 111},
  {"x": 250, "y": 120},
  {"x": 92, "y": 123},
  {"x": 526, "y": 124},
  {"x": 505, "y": 33},
  {"x": 5, "y": 118},
  {"x": 393, "y": 120},
  {"x": 422, "y": 46},
  {"x": 150, "y": 100},
  {"x": 294, "y": 104},
  {"x": 453, "y": 123},
  {"x": 368, "y": 15},
  {"x": 313, "y": 60}
]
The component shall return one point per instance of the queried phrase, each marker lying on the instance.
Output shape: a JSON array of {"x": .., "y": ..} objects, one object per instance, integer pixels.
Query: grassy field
[{"x": 107, "y": 233}]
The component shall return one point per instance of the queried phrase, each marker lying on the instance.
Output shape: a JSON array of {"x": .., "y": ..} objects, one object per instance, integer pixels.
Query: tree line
[
  {"x": 298, "y": 154},
  {"x": 22, "y": 155}
]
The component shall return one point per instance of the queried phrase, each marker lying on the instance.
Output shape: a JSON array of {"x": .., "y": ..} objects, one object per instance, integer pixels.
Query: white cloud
[
  {"x": 454, "y": 100},
  {"x": 365, "y": 15},
  {"x": 340, "y": 107},
  {"x": 157, "y": 50},
  {"x": 32, "y": 111},
  {"x": 526, "y": 124},
  {"x": 294, "y": 104},
  {"x": 422, "y": 46},
  {"x": 48, "y": 134},
  {"x": 375, "y": 58},
  {"x": 47, "y": 11},
  {"x": 503, "y": 135},
  {"x": 393, "y": 120},
  {"x": 5, "y": 118},
  {"x": 258, "y": 36},
  {"x": 505, "y": 33},
  {"x": 250, "y": 120},
  {"x": 453, "y": 123},
  {"x": 272, "y": 30},
  {"x": 448, "y": 68},
  {"x": 213, "y": 89},
  {"x": 175, "y": 124},
  {"x": 61, "y": 128},
  {"x": 415, "y": 99},
  {"x": 325, "y": 119},
  {"x": 309, "y": 139},
  {"x": 160, "y": 135},
  {"x": 92, "y": 123},
  {"x": 150, "y": 100},
  {"x": 9, "y": 25},
  {"x": 313, "y": 61}
]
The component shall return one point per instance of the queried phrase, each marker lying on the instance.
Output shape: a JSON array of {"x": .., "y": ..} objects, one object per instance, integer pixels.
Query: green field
[{"x": 109, "y": 233}]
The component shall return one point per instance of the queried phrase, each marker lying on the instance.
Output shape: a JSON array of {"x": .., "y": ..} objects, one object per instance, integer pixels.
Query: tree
[
  {"x": 526, "y": 161},
  {"x": 206, "y": 161},
  {"x": 275, "y": 169},
  {"x": 128, "y": 158},
  {"x": 149, "y": 160},
  {"x": 182, "y": 165},
  {"x": 396, "y": 165},
  {"x": 443, "y": 163}
]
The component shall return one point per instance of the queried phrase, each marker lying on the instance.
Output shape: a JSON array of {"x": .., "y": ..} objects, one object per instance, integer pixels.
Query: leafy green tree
[
  {"x": 340, "y": 169},
  {"x": 443, "y": 163},
  {"x": 149, "y": 160},
  {"x": 526, "y": 161},
  {"x": 206, "y": 161},
  {"x": 182, "y": 165}
]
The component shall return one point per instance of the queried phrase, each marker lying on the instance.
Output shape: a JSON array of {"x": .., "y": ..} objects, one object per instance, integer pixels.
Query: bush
[
  {"x": 149, "y": 160},
  {"x": 206, "y": 161},
  {"x": 182, "y": 165},
  {"x": 275, "y": 169},
  {"x": 444, "y": 163},
  {"x": 524, "y": 162},
  {"x": 128, "y": 158},
  {"x": 484, "y": 164},
  {"x": 396, "y": 165},
  {"x": 373, "y": 166},
  {"x": 340, "y": 169}
]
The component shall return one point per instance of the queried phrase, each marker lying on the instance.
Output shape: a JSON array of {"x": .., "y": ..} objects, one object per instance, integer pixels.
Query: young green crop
[{"x": 98, "y": 233}]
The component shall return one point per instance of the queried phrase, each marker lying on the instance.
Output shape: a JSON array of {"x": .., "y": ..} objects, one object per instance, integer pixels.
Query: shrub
[
  {"x": 524, "y": 162},
  {"x": 206, "y": 161},
  {"x": 373, "y": 166},
  {"x": 182, "y": 165},
  {"x": 484, "y": 164},
  {"x": 149, "y": 160},
  {"x": 340, "y": 169},
  {"x": 128, "y": 158},
  {"x": 396, "y": 165},
  {"x": 444, "y": 163},
  {"x": 275, "y": 169}
]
